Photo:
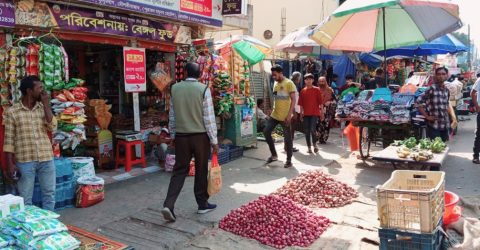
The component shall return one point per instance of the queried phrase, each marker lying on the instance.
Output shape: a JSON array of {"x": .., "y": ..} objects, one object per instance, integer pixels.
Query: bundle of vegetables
[
  {"x": 68, "y": 106},
  {"x": 416, "y": 153},
  {"x": 317, "y": 189},
  {"x": 436, "y": 146},
  {"x": 275, "y": 221}
]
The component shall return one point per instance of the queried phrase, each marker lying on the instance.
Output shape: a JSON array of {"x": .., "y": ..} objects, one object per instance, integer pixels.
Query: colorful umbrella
[
  {"x": 299, "y": 42},
  {"x": 373, "y": 25},
  {"x": 265, "y": 48},
  {"x": 442, "y": 45}
]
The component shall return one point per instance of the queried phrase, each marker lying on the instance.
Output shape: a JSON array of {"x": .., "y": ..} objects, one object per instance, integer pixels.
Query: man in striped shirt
[{"x": 193, "y": 128}]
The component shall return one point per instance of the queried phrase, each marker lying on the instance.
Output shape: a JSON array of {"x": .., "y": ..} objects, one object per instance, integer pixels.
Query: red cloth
[
  {"x": 353, "y": 135},
  {"x": 310, "y": 99}
]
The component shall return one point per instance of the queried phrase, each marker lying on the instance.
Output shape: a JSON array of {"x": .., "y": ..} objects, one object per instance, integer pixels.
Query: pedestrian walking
[
  {"x": 194, "y": 131},
  {"x": 327, "y": 111},
  {"x": 434, "y": 105},
  {"x": 476, "y": 101},
  {"x": 283, "y": 108},
  {"x": 297, "y": 80},
  {"x": 310, "y": 102},
  {"x": 27, "y": 145}
]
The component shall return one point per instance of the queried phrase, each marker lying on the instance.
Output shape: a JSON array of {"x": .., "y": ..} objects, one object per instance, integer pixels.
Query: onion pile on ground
[
  {"x": 317, "y": 189},
  {"x": 275, "y": 221}
]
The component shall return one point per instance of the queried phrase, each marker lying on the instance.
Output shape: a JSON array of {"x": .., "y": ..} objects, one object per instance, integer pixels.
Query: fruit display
[
  {"x": 275, "y": 221},
  {"x": 317, "y": 189}
]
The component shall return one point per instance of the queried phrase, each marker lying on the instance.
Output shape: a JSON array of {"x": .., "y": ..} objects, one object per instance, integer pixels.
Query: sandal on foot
[
  {"x": 288, "y": 164},
  {"x": 476, "y": 161}
]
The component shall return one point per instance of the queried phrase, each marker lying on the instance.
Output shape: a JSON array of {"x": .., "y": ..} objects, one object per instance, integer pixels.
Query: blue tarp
[{"x": 343, "y": 66}]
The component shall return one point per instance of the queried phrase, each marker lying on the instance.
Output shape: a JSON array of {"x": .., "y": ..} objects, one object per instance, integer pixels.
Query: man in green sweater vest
[{"x": 193, "y": 127}]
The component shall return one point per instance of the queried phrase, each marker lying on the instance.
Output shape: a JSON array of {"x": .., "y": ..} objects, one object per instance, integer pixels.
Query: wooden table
[{"x": 389, "y": 154}]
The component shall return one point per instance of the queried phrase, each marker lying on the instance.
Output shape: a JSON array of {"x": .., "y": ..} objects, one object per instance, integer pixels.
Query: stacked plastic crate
[
  {"x": 410, "y": 208},
  {"x": 64, "y": 189}
]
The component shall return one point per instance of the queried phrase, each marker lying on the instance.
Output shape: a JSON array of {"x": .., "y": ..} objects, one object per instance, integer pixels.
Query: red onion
[
  {"x": 275, "y": 221},
  {"x": 316, "y": 189}
]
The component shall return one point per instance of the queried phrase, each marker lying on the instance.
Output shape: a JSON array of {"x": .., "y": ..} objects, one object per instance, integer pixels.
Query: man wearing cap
[
  {"x": 310, "y": 103},
  {"x": 283, "y": 108}
]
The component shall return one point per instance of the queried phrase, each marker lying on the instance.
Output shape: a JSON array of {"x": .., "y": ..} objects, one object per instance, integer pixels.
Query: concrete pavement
[{"x": 130, "y": 212}]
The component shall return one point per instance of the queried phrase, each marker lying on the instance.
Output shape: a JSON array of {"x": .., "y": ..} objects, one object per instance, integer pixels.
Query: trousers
[
  {"x": 45, "y": 171},
  {"x": 186, "y": 147},
  {"x": 271, "y": 124},
  {"x": 310, "y": 124}
]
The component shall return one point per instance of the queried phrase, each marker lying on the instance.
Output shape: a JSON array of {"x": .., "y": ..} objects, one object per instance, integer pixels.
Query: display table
[{"x": 389, "y": 154}]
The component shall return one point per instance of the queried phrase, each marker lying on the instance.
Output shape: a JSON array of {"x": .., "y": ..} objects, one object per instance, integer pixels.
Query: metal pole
[{"x": 384, "y": 48}]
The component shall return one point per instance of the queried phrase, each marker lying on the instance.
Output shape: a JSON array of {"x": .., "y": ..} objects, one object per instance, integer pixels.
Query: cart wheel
[{"x": 365, "y": 142}]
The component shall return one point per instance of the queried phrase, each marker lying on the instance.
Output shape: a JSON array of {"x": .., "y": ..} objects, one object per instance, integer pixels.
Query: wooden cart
[{"x": 378, "y": 133}]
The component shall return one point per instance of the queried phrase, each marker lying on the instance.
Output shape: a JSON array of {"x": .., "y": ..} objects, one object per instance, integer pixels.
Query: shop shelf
[{"x": 411, "y": 200}]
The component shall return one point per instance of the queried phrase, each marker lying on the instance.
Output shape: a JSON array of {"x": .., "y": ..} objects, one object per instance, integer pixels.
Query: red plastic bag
[
  {"x": 191, "y": 170},
  {"x": 353, "y": 135},
  {"x": 214, "y": 176},
  {"x": 89, "y": 195}
]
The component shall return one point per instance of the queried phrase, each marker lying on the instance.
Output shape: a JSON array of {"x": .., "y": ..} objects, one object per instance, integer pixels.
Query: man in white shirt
[{"x": 476, "y": 100}]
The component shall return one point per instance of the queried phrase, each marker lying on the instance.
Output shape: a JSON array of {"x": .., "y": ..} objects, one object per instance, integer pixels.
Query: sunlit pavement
[{"x": 124, "y": 215}]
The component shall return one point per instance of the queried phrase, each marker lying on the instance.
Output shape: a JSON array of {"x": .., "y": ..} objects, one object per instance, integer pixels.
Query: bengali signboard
[
  {"x": 135, "y": 69},
  {"x": 162, "y": 8},
  {"x": 86, "y": 20},
  {"x": 234, "y": 7},
  {"x": 206, "y": 12},
  {"x": 7, "y": 13}
]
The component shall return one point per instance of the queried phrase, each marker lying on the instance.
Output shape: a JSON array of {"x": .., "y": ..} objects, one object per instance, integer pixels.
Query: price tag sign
[{"x": 135, "y": 70}]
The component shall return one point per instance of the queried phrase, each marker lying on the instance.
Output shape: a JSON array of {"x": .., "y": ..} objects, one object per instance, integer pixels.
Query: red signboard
[
  {"x": 199, "y": 7},
  {"x": 135, "y": 69}
]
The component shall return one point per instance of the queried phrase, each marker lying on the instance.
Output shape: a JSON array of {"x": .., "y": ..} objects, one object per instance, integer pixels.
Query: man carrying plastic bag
[{"x": 214, "y": 177}]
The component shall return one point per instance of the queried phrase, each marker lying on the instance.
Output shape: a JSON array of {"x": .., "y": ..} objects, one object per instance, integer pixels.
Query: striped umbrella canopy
[{"x": 373, "y": 25}]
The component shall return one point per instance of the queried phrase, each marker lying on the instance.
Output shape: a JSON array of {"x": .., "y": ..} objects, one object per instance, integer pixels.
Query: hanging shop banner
[
  {"x": 234, "y": 7},
  {"x": 206, "y": 12},
  {"x": 86, "y": 20},
  {"x": 135, "y": 69},
  {"x": 7, "y": 13}
]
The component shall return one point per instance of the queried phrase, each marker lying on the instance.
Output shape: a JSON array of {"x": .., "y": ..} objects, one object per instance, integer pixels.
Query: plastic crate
[
  {"x": 411, "y": 200},
  {"x": 235, "y": 152},
  {"x": 223, "y": 154},
  {"x": 391, "y": 239}
]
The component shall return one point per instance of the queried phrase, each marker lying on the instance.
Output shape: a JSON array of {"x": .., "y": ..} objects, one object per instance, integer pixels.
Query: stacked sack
[
  {"x": 37, "y": 229},
  {"x": 68, "y": 107}
]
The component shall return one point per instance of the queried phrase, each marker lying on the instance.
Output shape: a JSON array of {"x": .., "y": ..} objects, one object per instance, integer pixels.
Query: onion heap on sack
[
  {"x": 275, "y": 221},
  {"x": 317, "y": 189}
]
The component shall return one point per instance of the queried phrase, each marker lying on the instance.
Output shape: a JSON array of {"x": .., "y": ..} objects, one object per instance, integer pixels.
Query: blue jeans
[{"x": 46, "y": 176}]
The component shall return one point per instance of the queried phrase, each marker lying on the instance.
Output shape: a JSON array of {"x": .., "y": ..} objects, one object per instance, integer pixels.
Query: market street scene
[{"x": 239, "y": 124}]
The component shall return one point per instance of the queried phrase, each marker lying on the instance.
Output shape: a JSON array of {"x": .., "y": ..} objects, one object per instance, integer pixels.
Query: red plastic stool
[{"x": 130, "y": 158}]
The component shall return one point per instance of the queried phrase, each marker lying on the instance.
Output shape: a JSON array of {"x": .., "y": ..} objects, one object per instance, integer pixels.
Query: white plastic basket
[{"x": 411, "y": 200}]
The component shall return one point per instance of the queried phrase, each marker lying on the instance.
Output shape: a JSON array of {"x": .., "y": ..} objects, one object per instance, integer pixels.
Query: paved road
[{"x": 130, "y": 211}]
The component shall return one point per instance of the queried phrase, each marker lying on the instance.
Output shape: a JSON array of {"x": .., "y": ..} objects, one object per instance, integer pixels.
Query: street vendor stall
[{"x": 380, "y": 116}]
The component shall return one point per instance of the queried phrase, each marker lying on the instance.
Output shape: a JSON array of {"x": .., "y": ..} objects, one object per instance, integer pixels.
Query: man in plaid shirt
[
  {"x": 193, "y": 128},
  {"x": 27, "y": 146},
  {"x": 435, "y": 107}
]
